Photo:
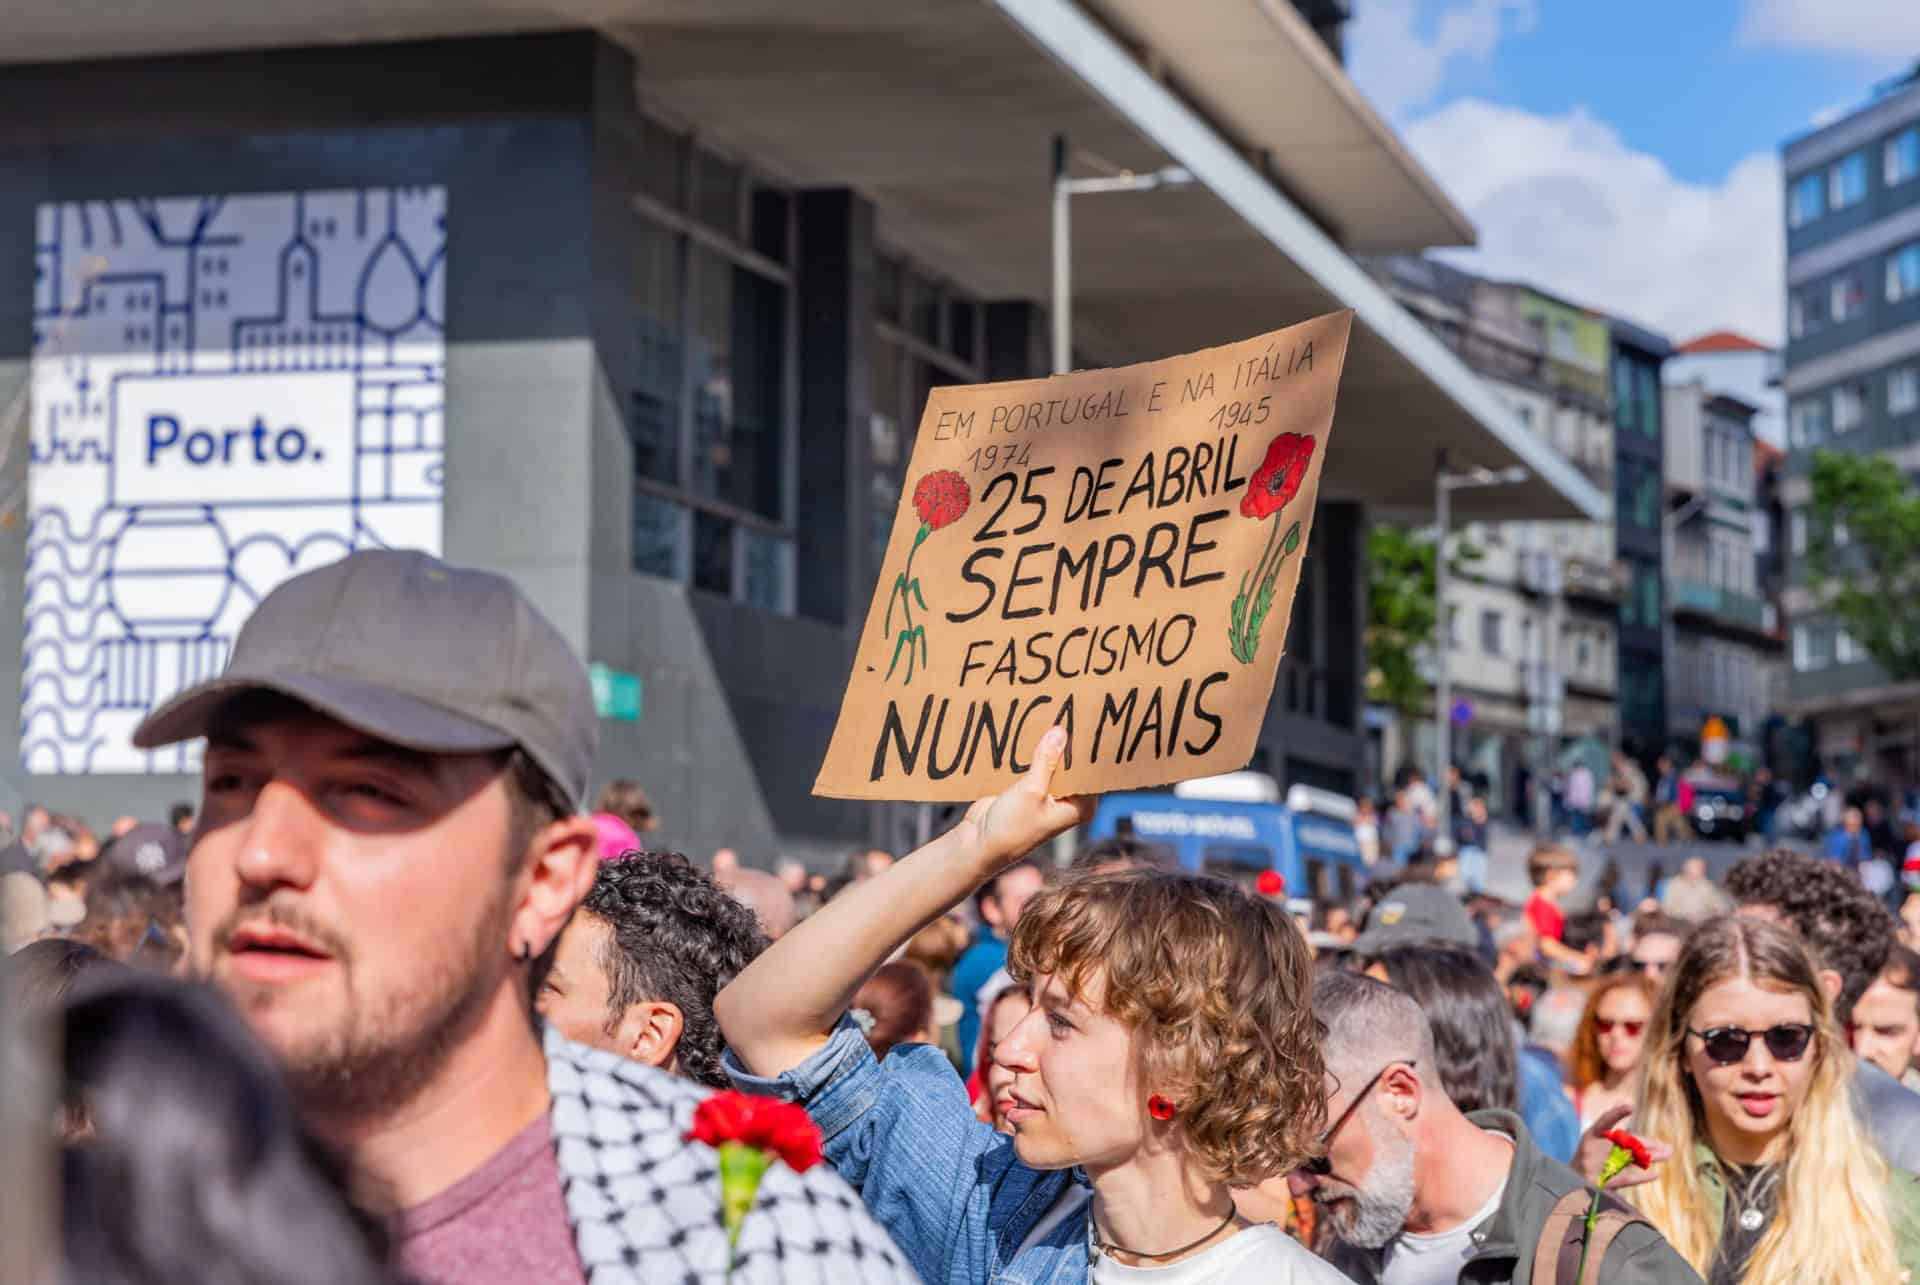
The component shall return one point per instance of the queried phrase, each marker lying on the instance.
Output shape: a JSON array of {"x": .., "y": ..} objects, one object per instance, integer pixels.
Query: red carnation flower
[
  {"x": 1631, "y": 1145},
  {"x": 764, "y": 1124},
  {"x": 1270, "y": 883},
  {"x": 1278, "y": 479},
  {"x": 941, "y": 497}
]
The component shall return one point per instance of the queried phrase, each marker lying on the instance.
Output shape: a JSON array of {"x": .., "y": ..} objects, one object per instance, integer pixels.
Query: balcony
[
  {"x": 1596, "y": 581},
  {"x": 1717, "y": 606}
]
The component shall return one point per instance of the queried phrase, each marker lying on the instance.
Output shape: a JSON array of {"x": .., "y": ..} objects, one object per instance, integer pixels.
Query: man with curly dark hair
[
  {"x": 1851, "y": 934},
  {"x": 642, "y": 959}
]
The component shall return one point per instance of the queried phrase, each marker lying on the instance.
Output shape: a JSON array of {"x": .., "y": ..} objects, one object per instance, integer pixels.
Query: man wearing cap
[
  {"x": 387, "y": 849},
  {"x": 1417, "y": 914}
]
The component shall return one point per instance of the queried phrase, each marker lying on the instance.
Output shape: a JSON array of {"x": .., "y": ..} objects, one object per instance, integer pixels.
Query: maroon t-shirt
[{"x": 503, "y": 1224}]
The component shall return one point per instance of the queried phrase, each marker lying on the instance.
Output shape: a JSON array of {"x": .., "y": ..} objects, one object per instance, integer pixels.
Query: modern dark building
[
  {"x": 1638, "y": 506},
  {"x": 1852, "y": 376},
  {"x": 648, "y": 311}
]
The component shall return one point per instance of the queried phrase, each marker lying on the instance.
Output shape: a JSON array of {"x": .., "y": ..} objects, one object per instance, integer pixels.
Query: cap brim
[{"x": 387, "y": 715}]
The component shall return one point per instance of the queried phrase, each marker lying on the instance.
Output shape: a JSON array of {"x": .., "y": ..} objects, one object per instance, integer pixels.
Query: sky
[{"x": 1626, "y": 153}]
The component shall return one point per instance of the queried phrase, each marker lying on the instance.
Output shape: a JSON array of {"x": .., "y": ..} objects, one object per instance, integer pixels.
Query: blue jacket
[
  {"x": 1852, "y": 853},
  {"x": 1550, "y": 1117},
  {"x": 987, "y": 956},
  {"x": 945, "y": 1186}
]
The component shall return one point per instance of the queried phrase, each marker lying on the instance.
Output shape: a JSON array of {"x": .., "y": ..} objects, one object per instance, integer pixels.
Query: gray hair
[
  {"x": 1370, "y": 1024},
  {"x": 1555, "y": 1019}
]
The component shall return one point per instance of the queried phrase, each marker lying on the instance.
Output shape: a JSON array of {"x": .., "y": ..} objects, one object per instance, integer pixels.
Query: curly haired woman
[{"x": 1171, "y": 1055}]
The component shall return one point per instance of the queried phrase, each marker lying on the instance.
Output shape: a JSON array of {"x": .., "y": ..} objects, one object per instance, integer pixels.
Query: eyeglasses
[
  {"x": 1604, "y": 1027},
  {"x": 1320, "y": 1166},
  {"x": 1726, "y": 1045}
]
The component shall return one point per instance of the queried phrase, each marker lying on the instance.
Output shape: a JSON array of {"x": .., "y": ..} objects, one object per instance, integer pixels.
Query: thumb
[
  {"x": 1610, "y": 1118},
  {"x": 1047, "y": 755}
]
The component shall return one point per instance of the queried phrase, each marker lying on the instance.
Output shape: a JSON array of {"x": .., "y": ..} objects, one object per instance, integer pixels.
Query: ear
[
  {"x": 560, "y": 868},
  {"x": 1831, "y": 983},
  {"x": 1401, "y": 1092},
  {"x": 652, "y": 1032}
]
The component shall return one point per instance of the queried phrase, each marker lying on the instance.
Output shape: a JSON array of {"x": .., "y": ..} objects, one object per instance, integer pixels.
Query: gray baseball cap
[
  {"x": 408, "y": 649},
  {"x": 1417, "y": 914}
]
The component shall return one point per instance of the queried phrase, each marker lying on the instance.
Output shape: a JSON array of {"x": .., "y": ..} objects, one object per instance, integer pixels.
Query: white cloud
[
  {"x": 1564, "y": 203},
  {"x": 1885, "y": 33},
  {"x": 1402, "y": 52}
]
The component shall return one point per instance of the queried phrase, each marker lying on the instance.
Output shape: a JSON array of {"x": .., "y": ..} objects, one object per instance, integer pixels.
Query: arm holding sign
[{"x": 784, "y": 1005}]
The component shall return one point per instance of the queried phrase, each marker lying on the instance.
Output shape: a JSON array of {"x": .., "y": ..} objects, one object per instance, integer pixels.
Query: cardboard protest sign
[{"x": 1115, "y": 551}]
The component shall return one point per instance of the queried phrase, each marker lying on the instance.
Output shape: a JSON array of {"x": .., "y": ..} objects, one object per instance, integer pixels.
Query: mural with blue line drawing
[{"x": 225, "y": 391}]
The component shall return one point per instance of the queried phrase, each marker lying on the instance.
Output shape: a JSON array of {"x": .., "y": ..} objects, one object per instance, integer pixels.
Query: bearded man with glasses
[{"x": 1417, "y": 1193}]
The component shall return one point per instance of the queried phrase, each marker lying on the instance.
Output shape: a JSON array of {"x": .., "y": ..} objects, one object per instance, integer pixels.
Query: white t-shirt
[
  {"x": 1436, "y": 1259},
  {"x": 1262, "y": 1255}
]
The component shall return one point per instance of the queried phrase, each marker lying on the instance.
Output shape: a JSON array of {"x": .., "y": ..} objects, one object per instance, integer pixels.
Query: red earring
[{"x": 1159, "y": 1108}]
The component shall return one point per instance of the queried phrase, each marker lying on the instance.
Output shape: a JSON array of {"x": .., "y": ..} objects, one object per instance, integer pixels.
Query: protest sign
[{"x": 1115, "y": 551}]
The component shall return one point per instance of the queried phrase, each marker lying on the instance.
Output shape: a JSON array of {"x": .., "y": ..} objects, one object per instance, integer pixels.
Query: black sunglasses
[
  {"x": 1319, "y": 1166},
  {"x": 1726, "y": 1045}
]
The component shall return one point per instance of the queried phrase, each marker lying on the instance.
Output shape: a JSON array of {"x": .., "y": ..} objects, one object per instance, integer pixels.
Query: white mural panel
[{"x": 225, "y": 390}]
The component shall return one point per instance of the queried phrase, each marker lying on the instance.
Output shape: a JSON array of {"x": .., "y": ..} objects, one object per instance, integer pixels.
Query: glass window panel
[
  {"x": 712, "y": 553},
  {"x": 960, "y": 327},
  {"x": 768, "y": 217},
  {"x": 765, "y": 574},
  {"x": 653, "y": 410},
  {"x": 923, "y": 308},
  {"x": 1903, "y": 273},
  {"x": 716, "y": 192},
  {"x": 738, "y": 354},
  {"x": 1903, "y": 156},
  {"x": 661, "y": 539},
  {"x": 1903, "y": 390},
  {"x": 663, "y": 164},
  {"x": 1806, "y": 199},
  {"x": 1648, "y": 384},
  {"x": 885, "y": 445},
  {"x": 1848, "y": 182}
]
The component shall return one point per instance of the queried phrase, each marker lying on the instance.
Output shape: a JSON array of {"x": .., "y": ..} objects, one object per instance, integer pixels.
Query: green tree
[
  {"x": 1871, "y": 584},
  {"x": 1402, "y": 614}
]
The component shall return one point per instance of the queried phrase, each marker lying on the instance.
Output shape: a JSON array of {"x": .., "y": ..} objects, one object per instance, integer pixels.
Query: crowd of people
[{"x": 386, "y": 1005}]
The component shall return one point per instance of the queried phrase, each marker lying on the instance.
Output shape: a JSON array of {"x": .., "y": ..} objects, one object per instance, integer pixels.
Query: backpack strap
[{"x": 1556, "y": 1257}]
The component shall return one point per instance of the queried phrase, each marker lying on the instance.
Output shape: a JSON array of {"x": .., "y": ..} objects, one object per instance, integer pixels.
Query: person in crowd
[
  {"x": 195, "y": 1165},
  {"x": 181, "y": 818},
  {"x": 67, "y": 896},
  {"x": 1366, "y": 830},
  {"x": 1335, "y": 919},
  {"x": 1470, "y": 830},
  {"x": 1580, "y": 799},
  {"x": 1420, "y": 796},
  {"x": 135, "y": 919},
  {"x": 1402, "y": 830},
  {"x": 1119, "y": 852},
  {"x": 1554, "y": 872},
  {"x": 1886, "y": 1018},
  {"x": 1605, "y": 1059},
  {"x": 724, "y": 865},
  {"x": 1848, "y": 843},
  {"x": 1476, "y": 1053},
  {"x": 1773, "y": 1177},
  {"x": 1515, "y": 946},
  {"x": 998, "y": 904},
  {"x": 1692, "y": 895},
  {"x": 1878, "y": 824},
  {"x": 1416, "y": 914},
  {"x": 614, "y": 837},
  {"x": 1413, "y": 1189},
  {"x": 390, "y": 844},
  {"x": 894, "y": 1007},
  {"x": 1669, "y": 824},
  {"x": 40, "y": 974},
  {"x": 1850, "y": 935},
  {"x": 23, "y": 910},
  {"x": 865, "y": 863},
  {"x": 937, "y": 948},
  {"x": 991, "y": 1086},
  {"x": 766, "y": 897},
  {"x": 1137, "y": 1066},
  {"x": 1763, "y": 803},
  {"x": 627, "y": 800},
  {"x": 1554, "y": 1023},
  {"x": 1628, "y": 786},
  {"x": 639, "y": 963},
  {"x": 1656, "y": 944},
  {"x": 792, "y": 874}
]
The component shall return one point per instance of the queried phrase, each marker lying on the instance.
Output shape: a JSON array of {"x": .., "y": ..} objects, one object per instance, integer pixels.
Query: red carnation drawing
[
  {"x": 1271, "y": 488},
  {"x": 941, "y": 499}
]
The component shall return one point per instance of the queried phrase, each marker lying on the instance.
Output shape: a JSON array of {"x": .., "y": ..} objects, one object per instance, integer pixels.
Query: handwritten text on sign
[{"x": 1115, "y": 551}]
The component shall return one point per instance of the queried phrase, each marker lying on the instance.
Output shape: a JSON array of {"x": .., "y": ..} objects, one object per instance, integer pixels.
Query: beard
[
  {"x": 366, "y": 1052},
  {"x": 1371, "y": 1214}
]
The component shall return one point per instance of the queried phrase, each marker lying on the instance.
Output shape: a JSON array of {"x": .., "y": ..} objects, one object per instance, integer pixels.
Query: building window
[
  {"x": 1807, "y": 422},
  {"x": 1849, "y": 407},
  {"x": 1903, "y": 390},
  {"x": 709, "y": 407},
  {"x": 1845, "y": 650},
  {"x": 1806, "y": 199},
  {"x": 1490, "y": 632},
  {"x": 1903, "y": 156},
  {"x": 1849, "y": 297},
  {"x": 1762, "y": 531},
  {"x": 1903, "y": 273},
  {"x": 1797, "y": 532},
  {"x": 1847, "y": 182},
  {"x": 1453, "y": 627},
  {"x": 1809, "y": 311}
]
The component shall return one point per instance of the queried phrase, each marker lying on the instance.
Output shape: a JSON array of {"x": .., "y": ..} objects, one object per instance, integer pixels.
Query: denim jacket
[{"x": 945, "y": 1186}]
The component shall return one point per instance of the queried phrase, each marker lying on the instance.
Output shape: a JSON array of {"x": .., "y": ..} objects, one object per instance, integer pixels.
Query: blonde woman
[{"x": 1773, "y": 1178}]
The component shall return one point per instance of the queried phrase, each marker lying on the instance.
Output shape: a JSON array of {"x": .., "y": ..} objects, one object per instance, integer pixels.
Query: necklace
[
  {"x": 1096, "y": 1246},
  {"x": 1753, "y": 1194}
]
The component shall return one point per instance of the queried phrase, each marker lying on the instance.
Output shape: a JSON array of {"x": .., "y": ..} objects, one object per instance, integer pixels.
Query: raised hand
[
  {"x": 1593, "y": 1151},
  {"x": 1002, "y": 829}
]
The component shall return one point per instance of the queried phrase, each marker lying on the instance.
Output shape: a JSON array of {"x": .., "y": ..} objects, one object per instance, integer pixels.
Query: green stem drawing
[
  {"x": 1243, "y": 628},
  {"x": 906, "y": 588}
]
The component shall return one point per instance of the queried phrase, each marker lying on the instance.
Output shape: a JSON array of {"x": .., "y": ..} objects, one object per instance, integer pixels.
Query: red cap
[{"x": 1270, "y": 883}]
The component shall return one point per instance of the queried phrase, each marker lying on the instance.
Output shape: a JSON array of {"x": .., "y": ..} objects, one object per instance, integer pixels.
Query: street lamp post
[
  {"x": 1444, "y": 485},
  {"x": 1064, "y": 190}
]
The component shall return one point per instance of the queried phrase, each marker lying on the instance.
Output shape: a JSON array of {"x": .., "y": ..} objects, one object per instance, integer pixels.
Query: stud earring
[{"x": 1161, "y": 1109}]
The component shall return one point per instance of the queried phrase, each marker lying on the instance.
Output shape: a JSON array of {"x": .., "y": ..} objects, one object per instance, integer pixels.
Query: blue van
[{"x": 1314, "y": 851}]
